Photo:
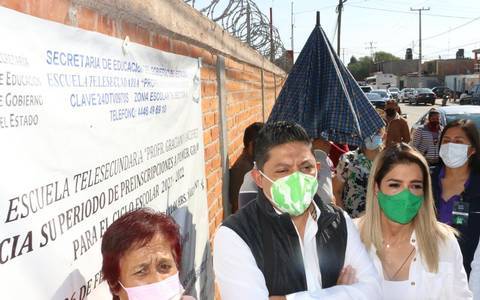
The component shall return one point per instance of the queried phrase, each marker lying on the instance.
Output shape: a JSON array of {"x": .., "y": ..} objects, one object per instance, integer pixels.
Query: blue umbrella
[{"x": 321, "y": 95}]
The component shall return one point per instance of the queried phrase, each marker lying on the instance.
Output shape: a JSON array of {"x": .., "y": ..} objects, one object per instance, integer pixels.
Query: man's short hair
[
  {"x": 391, "y": 104},
  {"x": 432, "y": 112},
  {"x": 251, "y": 133},
  {"x": 277, "y": 133}
]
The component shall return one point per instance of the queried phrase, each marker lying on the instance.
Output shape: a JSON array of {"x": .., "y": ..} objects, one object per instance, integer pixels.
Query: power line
[
  {"x": 452, "y": 29},
  {"x": 406, "y": 12},
  {"x": 459, "y": 46}
]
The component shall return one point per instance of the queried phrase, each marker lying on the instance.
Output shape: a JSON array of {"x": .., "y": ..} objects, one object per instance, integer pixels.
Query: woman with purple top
[{"x": 456, "y": 184}]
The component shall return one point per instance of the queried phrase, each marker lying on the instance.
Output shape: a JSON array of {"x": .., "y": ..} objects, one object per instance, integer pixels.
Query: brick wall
[{"x": 243, "y": 68}]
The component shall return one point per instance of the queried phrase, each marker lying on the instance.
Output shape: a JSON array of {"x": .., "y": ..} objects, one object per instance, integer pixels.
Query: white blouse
[
  {"x": 475, "y": 274},
  {"x": 450, "y": 282}
]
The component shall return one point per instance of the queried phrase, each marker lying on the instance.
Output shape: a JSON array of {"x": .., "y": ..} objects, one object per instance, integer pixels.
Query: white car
[
  {"x": 405, "y": 94},
  {"x": 394, "y": 92}
]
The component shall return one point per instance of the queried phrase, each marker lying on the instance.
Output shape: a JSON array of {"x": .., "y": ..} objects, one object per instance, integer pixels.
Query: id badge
[{"x": 460, "y": 213}]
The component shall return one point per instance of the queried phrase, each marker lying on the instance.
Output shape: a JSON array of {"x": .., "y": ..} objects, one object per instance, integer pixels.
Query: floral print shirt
[{"x": 353, "y": 169}]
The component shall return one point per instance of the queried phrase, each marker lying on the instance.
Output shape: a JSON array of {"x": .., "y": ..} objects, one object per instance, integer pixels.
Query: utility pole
[
  {"x": 339, "y": 11},
  {"x": 420, "y": 42},
  {"x": 371, "y": 48},
  {"x": 291, "y": 20}
]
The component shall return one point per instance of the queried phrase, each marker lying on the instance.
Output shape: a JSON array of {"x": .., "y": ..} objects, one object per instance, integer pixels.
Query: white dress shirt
[
  {"x": 239, "y": 277},
  {"x": 450, "y": 282},
  {"x": 475, "y": 274}
]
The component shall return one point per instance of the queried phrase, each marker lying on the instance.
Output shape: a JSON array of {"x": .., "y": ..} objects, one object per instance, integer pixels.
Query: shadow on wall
[
  {"x": 193, "y": 276},
  {"x": 74, "y": 282}
]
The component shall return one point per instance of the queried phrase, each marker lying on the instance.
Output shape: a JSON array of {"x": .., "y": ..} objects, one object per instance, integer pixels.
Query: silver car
[{"x": 405, "y": 94}]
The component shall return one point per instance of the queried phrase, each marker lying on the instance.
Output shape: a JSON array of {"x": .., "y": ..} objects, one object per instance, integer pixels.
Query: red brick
[
  {"x": 180, "y": 48},
  {"x": 135, "y": 33},
  {"x": 207, "y": 138},
  {"x": 208, "y": 120},
  {"x": 209, "y": 104},
  {"x": 209, "y": 89},
  {"x": 162, "y": 42},
  {"x": 208, "y": 73},
  {"x": 233, "y": 86},
  {"x": 21, "y": 6},
  {"x": 87, "y": 18},
  {"x": 106, "y": 25},
  {"x": 215, "y": 132},
  {"x": 219, "y": 218},
  {"x": 232, "y": 64},
  {"x": 56, "y": 11},
  {"x": 211, "y": 150}
]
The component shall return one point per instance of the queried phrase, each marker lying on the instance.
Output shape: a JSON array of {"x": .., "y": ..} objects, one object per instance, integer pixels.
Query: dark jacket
[
  {"x": 275, "y": 245},
  {"x": 469, "y": 233}
]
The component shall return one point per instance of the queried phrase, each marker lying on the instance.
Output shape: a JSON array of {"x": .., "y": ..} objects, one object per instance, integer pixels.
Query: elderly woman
[
  {"x": 141, "y": 257},
  {"x": 456, "y": 187},
  {"x": 418, "y": 257}
]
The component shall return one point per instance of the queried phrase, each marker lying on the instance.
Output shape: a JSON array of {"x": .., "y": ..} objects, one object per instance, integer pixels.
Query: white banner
[{"x": 89, "y": 130}]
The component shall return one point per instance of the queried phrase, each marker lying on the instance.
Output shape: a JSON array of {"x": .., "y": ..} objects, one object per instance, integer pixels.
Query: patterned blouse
[{"x": 353, "y": 169}]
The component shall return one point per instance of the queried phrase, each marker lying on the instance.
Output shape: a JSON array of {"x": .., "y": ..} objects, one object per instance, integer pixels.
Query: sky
[{"x": 386, "y": 25}]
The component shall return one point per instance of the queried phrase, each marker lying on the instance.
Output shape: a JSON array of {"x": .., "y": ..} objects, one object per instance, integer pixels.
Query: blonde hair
[{"x": 428, "y": 230}]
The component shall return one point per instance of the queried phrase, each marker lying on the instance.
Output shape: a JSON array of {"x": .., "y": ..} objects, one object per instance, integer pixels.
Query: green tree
[
  {"x": 353, "y": 60},
  {"x": 384, "y": 56},
  {"x": 361, "y": 68}
]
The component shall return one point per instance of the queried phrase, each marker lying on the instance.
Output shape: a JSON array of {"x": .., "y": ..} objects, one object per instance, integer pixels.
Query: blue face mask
[{"x": 373, "y": 142}]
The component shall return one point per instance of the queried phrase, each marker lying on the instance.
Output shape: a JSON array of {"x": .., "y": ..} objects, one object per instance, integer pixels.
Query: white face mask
[
  {"x": 454, "y": 155},
  {"x": 168, "y": 289}
]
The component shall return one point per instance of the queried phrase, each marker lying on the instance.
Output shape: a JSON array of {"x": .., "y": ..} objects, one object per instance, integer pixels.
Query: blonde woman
[{"x": 418, "y": 257}]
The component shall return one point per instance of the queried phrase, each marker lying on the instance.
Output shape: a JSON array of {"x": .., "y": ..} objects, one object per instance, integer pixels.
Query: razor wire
[{"x": 244, "y": 20}]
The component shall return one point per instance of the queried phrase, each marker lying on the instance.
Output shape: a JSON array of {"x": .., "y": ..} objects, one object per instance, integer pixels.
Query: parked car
[
  {"x": 405, "y": 94},
  {"x": 473, "y": 96},
  {"x": 376, "y": 100},
  {"x": 440, "y": 91},
  {"x": 394, "y": 92},
  {"x": 382, "y": 93},
  {"x": 450, "y": 113},
  {"x": 366, "y": 88},
  {"x": 422, "y": 95}
]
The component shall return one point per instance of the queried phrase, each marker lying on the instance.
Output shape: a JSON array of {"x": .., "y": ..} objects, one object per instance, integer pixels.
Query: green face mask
[
  {"x": 294, "y": 193},
  {"x": 401, "y": 207}
]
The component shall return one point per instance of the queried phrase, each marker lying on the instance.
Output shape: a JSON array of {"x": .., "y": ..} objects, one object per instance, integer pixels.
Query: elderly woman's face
[{"x": 145, "y": 265}]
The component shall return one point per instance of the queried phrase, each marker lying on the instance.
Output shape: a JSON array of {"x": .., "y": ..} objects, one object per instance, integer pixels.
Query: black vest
[{"x": 274, "y": 243}]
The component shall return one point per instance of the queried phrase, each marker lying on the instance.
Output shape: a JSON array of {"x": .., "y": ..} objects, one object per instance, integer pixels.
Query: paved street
[{"x": 415, "y": 112}]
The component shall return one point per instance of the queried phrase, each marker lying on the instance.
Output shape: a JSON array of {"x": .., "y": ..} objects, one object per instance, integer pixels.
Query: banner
[{"x": 92, "y": 127}]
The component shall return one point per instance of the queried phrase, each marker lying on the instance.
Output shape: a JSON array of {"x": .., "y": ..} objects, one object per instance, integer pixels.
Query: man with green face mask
[{"x": 289, "y": 244}]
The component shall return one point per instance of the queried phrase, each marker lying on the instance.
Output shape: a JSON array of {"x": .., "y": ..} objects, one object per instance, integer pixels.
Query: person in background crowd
[
  {"x": 337, "y": 150},
  {"x": 141, "y": 257},
  {"x": 475, "y": 275},
  {"x": 418, "y": 257},
  {"x": 288, "y": 244},
  {"x": 397, "y": 127},
  {"x": 243, "y": 164},
  {"x": 350, "y": 182},
  {"x": 321, "y": 148},
  {"x": 464, "y": 95},
  {"x": 456, "y": 184},
  {"x": 248, "y": 190},
  {"x": 425, "y": 138}
]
